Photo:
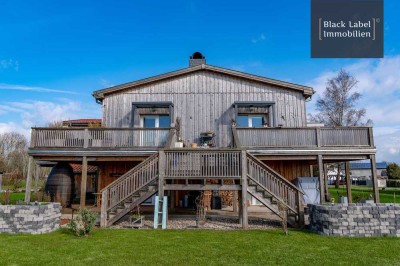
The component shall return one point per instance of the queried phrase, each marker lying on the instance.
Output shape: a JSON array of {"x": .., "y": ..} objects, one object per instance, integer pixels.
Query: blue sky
[{"x": 53, "y": 54}]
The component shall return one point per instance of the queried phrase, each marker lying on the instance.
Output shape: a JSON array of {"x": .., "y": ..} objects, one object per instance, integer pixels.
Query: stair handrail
[
  {"x": 294, "y": 206},
  {"x": 121, "y": 178},
  {"x": 107, "y": 203}
]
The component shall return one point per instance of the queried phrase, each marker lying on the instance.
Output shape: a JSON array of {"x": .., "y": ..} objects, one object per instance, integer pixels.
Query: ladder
[{"x": 160, "y": 203}]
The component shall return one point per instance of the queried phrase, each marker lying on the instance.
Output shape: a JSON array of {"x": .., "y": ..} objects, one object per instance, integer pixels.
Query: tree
[
  {"x": 13, "y": 155},
  {"x": 337, "y": 106},
  {"x": 393, "y": 171}
]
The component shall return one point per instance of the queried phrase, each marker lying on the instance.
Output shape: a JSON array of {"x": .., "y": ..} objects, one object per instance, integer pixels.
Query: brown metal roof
[{"x": 77, "y": 168}]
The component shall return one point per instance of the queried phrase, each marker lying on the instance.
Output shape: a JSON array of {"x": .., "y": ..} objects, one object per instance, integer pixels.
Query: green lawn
[
  {"x": 389, "y": 195},
  {"x": 190, "y": 247},
  {"x": 14, "y": 197}
]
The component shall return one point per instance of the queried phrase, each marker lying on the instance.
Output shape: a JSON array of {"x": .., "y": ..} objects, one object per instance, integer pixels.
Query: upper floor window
[
  {"x": 155, "y": 121},
  {"x": 152, "y": 114},
  {"x": 254, "y": 114},
  {"x": 252, "y": 120}
]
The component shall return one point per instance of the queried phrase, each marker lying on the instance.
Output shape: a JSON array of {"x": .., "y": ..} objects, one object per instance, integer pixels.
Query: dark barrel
[{"x": 60, "y": 184}]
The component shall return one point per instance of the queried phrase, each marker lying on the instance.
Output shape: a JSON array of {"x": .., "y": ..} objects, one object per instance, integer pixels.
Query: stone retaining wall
[
  {"x": 30, "y": 218},
  {"x": 360, "y": 220}
]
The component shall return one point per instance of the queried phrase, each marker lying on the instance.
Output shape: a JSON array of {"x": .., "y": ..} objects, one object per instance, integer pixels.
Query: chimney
[{"x": 196, "y": 59}]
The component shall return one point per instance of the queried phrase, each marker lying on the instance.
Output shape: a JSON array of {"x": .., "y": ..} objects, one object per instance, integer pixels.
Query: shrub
[
  {"x": 84, "y": 223},
  {"x": 393, "y": 183}
]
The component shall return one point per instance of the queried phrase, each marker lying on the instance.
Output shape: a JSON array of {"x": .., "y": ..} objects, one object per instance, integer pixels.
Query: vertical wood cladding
[
  {"x": 290, "y": 169},
  {"x": 203, "y": 100},
  {"x": 110, "y": 171}
]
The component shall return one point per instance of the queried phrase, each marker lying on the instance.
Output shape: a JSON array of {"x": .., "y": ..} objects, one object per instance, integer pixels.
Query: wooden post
[
  {"x": 161, "y": 174},
  {"x": 374, "y": 178},
  {"x": 234, "y": 201},
  {"x": 321, "y": 178},
  {"x": 245, "y": 219},
  {"x": 300, "y": 209},
  {"x": 83, "y": 182},
  {"x": 348, "y": 182},
  {"x": 326, "y": 180},
  {"x": 104, "y": 201},
  {"x": 29, "y": 181},
  {"x": 240, "y": 207},
  {"x": 311, "y": 170},
  {"x": 37, "y": 173}
]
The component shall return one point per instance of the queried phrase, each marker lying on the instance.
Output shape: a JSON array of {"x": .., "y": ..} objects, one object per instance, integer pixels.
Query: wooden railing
[
  {"x": 98, "y": 137},
  {"x": 304, "y": 137},
  {"x": 275, "y": 184},
  {"x": 202, "y": 163},
  {"x": 124, "y": 187}
]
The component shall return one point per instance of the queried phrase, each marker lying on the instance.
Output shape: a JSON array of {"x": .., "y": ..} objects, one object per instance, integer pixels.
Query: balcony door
[{"x": 153, "y": 137}]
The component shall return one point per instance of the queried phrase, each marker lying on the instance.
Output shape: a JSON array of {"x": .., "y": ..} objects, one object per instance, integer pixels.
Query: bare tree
[
  {"x": 55, "y": 123},
  {"x": 13, "y": 155},
  {"x": 337, "y": 106}
]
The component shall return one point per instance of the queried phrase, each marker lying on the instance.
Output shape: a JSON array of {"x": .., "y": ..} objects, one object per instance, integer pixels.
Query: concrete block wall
[
  {"x": 356, "y": 220},
  {"x": 30, "y": 219}
]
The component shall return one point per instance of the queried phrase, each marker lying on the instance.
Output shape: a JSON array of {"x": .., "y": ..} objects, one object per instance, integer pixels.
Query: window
[
  {"x": 254, "y": 114},
  {"x": 252, "y": 120},
  {"x": 155, "y": 121}
]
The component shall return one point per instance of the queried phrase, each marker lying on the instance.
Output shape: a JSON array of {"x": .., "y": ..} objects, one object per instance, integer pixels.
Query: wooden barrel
[{"x": 60, "y": 184}]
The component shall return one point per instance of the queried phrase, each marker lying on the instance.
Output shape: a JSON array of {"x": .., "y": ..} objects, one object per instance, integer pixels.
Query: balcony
[
  {"x": 98, "y": 138},
  {"x": 304, "y": 137}
]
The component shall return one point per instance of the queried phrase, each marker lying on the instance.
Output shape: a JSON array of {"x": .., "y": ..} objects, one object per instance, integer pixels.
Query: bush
[
  {"x": 84, "y": 223},
  {"x": 393, "y": 183}
]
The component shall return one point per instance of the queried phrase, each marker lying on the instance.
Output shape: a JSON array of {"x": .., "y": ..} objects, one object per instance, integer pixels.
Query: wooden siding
[
  {"x": 204, "y": 101},
  {"x": 290, "y": 169},
  {"x": 110, "y": 171}
]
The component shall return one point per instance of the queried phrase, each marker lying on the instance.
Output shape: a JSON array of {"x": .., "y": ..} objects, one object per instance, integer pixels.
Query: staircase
[
  {"x": 129, "y": 191},
  {"x": 141, "y": 182},
  {"x": 272, "y": 189}
]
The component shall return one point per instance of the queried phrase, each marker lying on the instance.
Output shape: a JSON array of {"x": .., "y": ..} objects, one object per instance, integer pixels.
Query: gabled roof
[{"x": 307, "y": 91}]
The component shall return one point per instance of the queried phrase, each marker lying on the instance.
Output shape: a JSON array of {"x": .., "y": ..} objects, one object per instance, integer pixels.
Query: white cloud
[
  {"x": 4, "y": 86},
  {"x": 388, "y": 147},
  {"x": 379, "y": 84},
  {"x": 13, "y": 127},
  {"x": 24, "y": 115},
  {"x": 259, "y": 38},
  {"x": 9, "y": 64}
]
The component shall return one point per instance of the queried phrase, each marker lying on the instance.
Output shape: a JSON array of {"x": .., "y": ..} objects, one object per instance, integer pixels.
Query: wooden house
[{"x": 202, "y": 128}]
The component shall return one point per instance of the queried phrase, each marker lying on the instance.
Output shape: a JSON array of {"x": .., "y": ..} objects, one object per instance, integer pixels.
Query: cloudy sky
[{"x": 54, "y": 54}]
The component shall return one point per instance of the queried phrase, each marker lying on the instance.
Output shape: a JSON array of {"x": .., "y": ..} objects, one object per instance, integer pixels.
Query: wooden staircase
[
  {"x": 259, "y": 180},
  {"x": 129, "y": 191},
  {"x": 272, "y": 189}
]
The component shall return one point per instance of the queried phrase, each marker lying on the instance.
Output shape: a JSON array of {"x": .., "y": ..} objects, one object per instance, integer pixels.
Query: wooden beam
[
  {"x": 326, "y": 180},
  {"x": 374, "y": 178},
  {"x": 348, "y": 182},
  {"x": 321, "y": 178},
  {"x": 83, "y": 182},
  {"x": 37, "y": 173},
  {"x": 201, "y": 187},
  {"x": 161, "y": 174},
  {"x": 29, "y": 180},
  {"x": 234, "y": 201},
  {"x": 245, "y": 219}
]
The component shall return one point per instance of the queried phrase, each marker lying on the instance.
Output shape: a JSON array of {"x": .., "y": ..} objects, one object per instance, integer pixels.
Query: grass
[
  {"x": 192, "y": 247},
  {"x": 389, "y": 195}
]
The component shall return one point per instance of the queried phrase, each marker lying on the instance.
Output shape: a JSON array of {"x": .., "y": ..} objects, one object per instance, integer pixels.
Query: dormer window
[
  {"x": 152, "y": 114},
  {"x": 254, "y": 114}
]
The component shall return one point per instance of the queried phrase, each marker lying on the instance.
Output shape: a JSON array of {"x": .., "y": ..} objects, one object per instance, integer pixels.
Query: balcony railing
[
  {"x": 304, "y": 137},
  {"x": 92, "y": 138}
]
